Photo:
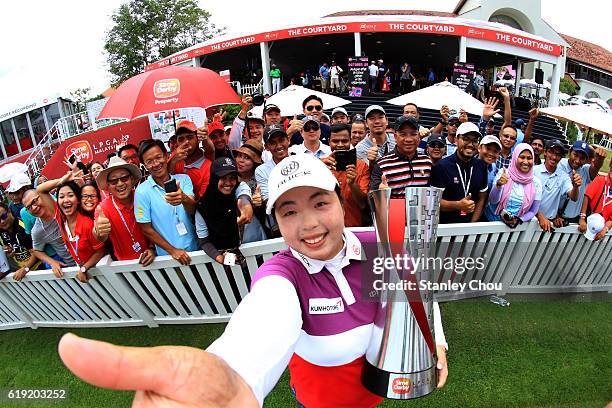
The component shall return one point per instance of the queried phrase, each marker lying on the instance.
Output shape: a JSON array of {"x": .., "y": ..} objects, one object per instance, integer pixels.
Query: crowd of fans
[{"x": 208, "y": 188}]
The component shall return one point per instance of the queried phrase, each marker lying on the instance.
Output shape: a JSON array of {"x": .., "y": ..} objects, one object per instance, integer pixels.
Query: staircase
[
  {"x": 544, "y": 126},
  {"x": 65, "y": 128}
]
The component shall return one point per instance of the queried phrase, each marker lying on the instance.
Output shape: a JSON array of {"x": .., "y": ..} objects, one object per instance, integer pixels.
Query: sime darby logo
[
  {"x": 166, "y": 88},
  {"x": 81, "y": 150},
  {"x": 401, "y": 385}
]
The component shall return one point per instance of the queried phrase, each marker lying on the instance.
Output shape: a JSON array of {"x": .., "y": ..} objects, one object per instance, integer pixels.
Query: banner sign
[
  {"x": 95, "y": 146},
  {"x": 463, "y": 73},
  {"x": 358, "y": 72},
  {"x": 445, "y": 26},
  {"x": 225, "y": 74}
]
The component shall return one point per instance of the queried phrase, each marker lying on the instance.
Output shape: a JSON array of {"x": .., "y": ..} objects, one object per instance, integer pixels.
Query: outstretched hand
[
  {"x": 161, "y": 376},
  {"x": 489, "y": 108}
]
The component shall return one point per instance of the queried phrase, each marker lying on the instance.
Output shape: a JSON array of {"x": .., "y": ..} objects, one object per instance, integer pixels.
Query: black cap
[
  {"x": 223, "y": 166},
  {"x": 271, "y": 107},
  {"x": 406, "y": 119},
  {"x": 272, "y": 130},
  {"x": 436, "y": 137},
  {"x": 491, "y": 120},
  {"x": 552, "y": 143}
]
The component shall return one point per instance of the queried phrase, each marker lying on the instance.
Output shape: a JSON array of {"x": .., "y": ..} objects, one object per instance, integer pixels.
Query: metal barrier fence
[{"x": 524, "y": 260}]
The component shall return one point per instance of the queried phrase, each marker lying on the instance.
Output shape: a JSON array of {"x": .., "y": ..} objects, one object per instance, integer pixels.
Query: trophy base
[{"x": 401, "y": 386}]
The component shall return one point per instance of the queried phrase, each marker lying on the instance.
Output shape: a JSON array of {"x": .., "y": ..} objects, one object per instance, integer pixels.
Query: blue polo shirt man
[
  {"x": 570, "y": 210},
  {"x": 556, "y": 184},
  {"x": 464, "y": 178},
  {"x": 151, "y": 207}
]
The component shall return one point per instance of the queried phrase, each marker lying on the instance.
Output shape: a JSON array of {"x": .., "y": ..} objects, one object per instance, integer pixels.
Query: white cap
[
  {"x": 339, "y": 110},
  {"x": 595, "y": 223},
  {"x": 228, "y": 127},
  {"x": 467, "y": 127},
  {"x": 488, "y": 139},
  {"x": 300, "y": 170},
  {"x": 18, "y": 181},
  {"x": 373, "y": 108}
]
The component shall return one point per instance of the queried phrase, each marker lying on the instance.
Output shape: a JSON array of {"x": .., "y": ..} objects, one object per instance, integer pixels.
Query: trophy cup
[{"x": 401, "y": 356}]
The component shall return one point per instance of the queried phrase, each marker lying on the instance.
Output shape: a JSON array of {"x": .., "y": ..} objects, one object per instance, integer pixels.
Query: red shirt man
[{"x": 115, "y": 219}]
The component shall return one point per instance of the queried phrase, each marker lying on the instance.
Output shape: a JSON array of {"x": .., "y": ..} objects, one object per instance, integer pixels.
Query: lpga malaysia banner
[
  {"x": 95, "y": 146},
  {"x": 377, "y": 26}
]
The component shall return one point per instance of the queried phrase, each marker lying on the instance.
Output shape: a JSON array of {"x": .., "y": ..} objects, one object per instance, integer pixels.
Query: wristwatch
[
  {"x": 82, "y": 269},
  {"x": 443, "y": 123},
  {"x": 26, "y": 269}
]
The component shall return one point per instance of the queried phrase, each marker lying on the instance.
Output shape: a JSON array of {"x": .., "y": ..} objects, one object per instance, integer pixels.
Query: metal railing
[
  {"x": 523, "y": 260},
  {"x": 65, "y": 128},
  {"x": 249, "y": 89}
]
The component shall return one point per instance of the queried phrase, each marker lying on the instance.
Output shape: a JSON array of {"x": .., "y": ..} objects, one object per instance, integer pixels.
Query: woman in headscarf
[
  {"x": 217, "y": 212},
  {"x": 516, "y": 193}
]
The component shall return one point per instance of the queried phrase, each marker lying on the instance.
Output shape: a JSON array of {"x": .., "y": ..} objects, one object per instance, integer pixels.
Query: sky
[{"x": 53, "y": 47}]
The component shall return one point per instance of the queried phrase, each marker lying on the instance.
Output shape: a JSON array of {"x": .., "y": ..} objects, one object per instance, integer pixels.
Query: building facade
[{"x": 23, "y": 128}]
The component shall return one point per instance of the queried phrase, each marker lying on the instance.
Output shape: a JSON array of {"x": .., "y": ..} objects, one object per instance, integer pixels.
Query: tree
[
  {"x": 567, "y": 86},
  {"x": 144, "y": 31},
  {"x": 80, "y": 97}
]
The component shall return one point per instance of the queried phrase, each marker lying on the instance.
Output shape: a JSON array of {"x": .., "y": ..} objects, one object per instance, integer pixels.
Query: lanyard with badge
[
  {"x": 71, "y": 239},
  {"x": 135, "y": 244},
  {"x": 465, "y": 183},
  {"x": 180, "y": 226}
]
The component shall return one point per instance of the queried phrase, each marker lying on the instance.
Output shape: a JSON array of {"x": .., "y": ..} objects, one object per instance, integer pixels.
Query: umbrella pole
[{"x": 174, "y": 121}]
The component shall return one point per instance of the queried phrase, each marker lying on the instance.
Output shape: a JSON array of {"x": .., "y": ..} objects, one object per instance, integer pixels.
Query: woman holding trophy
[{"x": 305, "y": 310}]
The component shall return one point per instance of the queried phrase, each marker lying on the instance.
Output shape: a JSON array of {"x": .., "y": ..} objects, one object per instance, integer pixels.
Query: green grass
[{"x": 532, "y": 354}]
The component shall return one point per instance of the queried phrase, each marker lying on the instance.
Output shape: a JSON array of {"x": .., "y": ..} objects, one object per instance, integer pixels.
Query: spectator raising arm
[
  {"x": 533, "y": 115},
  {"x": 507, "y": 108}
]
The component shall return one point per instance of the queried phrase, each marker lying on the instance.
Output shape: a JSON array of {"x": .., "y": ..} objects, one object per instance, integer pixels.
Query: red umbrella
[{"x": 166, "y": 89}]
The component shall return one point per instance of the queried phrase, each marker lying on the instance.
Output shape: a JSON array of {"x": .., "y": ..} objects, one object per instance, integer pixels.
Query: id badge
[
  {"x": 180, "y": 227},
  {"x": 136, "y": 247}
]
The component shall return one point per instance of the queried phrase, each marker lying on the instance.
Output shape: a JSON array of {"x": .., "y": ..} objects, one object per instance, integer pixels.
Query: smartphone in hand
[
  {"x": 344, "y": 158},
  {"x": 170, "y": 186}
]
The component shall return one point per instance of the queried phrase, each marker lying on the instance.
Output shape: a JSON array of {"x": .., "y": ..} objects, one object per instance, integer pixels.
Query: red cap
[
  {"x": 215, "y": 125},
  {"x": 187, "y": 124}
]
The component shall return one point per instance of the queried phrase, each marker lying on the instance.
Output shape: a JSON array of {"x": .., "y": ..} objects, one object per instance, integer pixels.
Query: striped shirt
[{"x": 401, "y": 172}]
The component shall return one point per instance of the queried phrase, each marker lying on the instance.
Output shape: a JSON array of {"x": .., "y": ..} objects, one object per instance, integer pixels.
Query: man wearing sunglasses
[
  {"x": 436, "y": 147},
  {"x": 463, "y": 177},
  {"x": 311, "y": 106},
  {"x": 114, "y": 217},
  {"x": 451, "y": 133},
  {"x": 311, "y": 133}
]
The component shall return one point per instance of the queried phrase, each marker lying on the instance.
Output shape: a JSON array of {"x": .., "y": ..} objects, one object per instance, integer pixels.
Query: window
[
  {"x": 7, "y": 132},
  {"x": 21, "y": 126},
  {"x": 38, "y": 124},
  {"x": 52, "y": 113},
  {"x": 591, "y": 94},
  {"x": 507, "y": 20}
]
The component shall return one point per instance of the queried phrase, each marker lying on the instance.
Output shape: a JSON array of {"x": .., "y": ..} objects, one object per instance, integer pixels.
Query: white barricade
[{"x": 524, "y": 260}]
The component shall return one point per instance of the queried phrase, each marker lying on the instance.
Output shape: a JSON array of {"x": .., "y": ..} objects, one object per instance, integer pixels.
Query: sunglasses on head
[
  {"x": 309, "y": 127},
  {"x": 318, "y": 108}
]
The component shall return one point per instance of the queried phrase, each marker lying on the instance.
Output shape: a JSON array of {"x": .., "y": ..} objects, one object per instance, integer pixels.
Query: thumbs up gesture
[
  {"x": 467, "y": 204},
  {"x": 383, "y": 183},
  {"x": 102, "y": 224},
  {"x": 295, "y": 125},
  {"x": 503, "y": 179},
  {"x": 373, "y": 151},
  {"x": 256, "y": 197},
  {"x": 202, "y": 132},
  {"x": 576, "y": 179}
]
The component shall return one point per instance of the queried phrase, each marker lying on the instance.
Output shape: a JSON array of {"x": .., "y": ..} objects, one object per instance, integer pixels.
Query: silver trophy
[{"x": 401, "y": 356}]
